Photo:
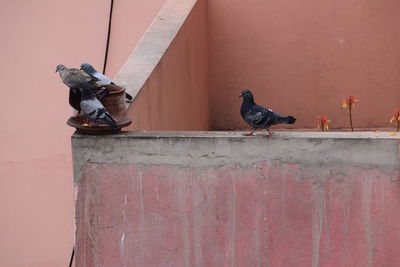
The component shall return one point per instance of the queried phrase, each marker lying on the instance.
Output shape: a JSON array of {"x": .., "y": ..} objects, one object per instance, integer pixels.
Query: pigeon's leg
[
  {"x": 250, "y": 133},
  {"x": 269, "y": 133}
]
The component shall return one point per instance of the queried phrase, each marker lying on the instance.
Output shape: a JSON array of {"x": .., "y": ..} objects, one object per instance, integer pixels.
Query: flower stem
[
  {"x": 398, "y": 125},
  {"x": 351, "y": 120}
]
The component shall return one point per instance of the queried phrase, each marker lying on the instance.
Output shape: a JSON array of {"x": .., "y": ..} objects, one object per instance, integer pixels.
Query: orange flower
[
  {"x": 396, "y": 115},
  {"x": 349, "y": 102},
  {"x": 323, "y": 123}
]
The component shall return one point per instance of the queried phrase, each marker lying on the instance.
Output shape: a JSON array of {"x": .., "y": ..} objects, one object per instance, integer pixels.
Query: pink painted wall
[
  {"x": 222, "y": 199},
  {"x": 303, "y": 57},
  {"x": 234, "y": 216},
  {"x": 36, "y": 198},
  {"x": 175, "y": 95}
]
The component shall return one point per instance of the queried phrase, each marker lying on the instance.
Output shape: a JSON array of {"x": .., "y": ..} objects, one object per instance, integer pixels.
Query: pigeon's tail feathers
[
  {"x": 107, "y": 119},
  {"x": 284, "y": 119},
  {"x": 128, "y": 96},
  {"x": 102, "y": 93},
  {"x": 290, "y": 120},
  {"x": 101, "y": 115},
  {"x": 110, "y": 121}
]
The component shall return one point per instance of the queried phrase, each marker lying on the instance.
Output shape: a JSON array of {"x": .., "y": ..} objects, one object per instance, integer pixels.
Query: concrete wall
[
  {"x": 221, "y": 199},
  {"x": 36, "y": 192},
  {"x": 303, "y": 57},
  {"x": 168, "y": 70}
]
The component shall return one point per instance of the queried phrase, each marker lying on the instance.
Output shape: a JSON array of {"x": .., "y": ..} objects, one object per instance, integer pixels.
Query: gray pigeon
[
  {"x": 101, "y": 78},
  {"x": 93, "y": 108},
  {"x": 74, "y": 77},
  {"x": 258, "y": 116}
]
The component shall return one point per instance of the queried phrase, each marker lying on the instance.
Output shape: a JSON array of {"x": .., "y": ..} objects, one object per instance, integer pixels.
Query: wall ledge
[
  {"x": 329, "y": 152},
  {"x": 239, "y": 134}
]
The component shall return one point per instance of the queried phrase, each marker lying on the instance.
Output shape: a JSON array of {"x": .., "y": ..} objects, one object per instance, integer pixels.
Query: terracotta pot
[{"x": 115, "y": 101}]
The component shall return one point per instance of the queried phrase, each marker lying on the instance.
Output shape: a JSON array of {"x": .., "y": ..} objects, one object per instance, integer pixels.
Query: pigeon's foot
[
  {"x": 250, "y": 133},
  {"x": 269, "y": 133}
]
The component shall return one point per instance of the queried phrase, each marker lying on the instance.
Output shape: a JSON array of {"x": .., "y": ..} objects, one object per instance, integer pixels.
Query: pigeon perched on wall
[
  {"x": 258, "y": 116},
  {"x": 93, "y": 108},
  {"x": 101, "y": 78},
  {"x": 74, "y": 77}
]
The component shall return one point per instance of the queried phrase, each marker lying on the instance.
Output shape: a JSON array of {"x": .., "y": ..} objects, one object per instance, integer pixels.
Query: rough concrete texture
[
  {"x": 221, "y": 199},
  {"x": 167, "y": 72}
]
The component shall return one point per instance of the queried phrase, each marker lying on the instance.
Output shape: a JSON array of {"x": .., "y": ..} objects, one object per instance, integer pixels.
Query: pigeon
[
  {"x": 75, "y": 97},
  {"x": 258, "y": 116},
  {"x": 74, "y": 77},
  {"x": 93, "y": 108},
  {"x": 101, "y": 78}
]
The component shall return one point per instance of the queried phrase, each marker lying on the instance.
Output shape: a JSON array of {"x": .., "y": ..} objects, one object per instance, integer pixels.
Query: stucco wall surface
[
  {"x": 221, "y": 199},
  {"x": 168, "y": 70},
  {"x": 303, "y": 57}
]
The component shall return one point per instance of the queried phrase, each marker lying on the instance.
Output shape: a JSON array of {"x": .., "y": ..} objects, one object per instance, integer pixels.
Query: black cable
[
  {"x": 72, "y": 257},
  {"x": 108, "y": 37}
]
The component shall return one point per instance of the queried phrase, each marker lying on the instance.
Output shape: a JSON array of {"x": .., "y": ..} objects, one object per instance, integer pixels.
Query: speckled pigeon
[
  {"x": 258, "y": 116},
  {"x": 93, "y": 108}
]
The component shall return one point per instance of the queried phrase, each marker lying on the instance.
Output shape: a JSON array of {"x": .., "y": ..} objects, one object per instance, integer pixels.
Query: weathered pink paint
[{"x": 272, "y": 214}]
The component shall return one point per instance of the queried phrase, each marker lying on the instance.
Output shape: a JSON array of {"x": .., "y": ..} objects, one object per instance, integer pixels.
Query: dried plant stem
[{"x": 351, "y": 120}]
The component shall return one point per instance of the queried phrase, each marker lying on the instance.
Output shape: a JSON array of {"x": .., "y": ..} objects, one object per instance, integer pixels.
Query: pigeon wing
[
  {"x": 259, "y": 116},
  {"x": 102, "y": 79},
  {"x": 96, "y": 111},
  {"x": 74, "y": 77},
  {"x": 82, "y": 75}
]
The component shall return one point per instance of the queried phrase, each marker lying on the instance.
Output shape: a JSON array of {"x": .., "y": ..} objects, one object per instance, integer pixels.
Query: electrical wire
[{"x": 108, "y": 37}]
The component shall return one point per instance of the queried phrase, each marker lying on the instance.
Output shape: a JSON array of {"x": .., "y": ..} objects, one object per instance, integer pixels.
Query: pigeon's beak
[{"x": 240, "y": 95}]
